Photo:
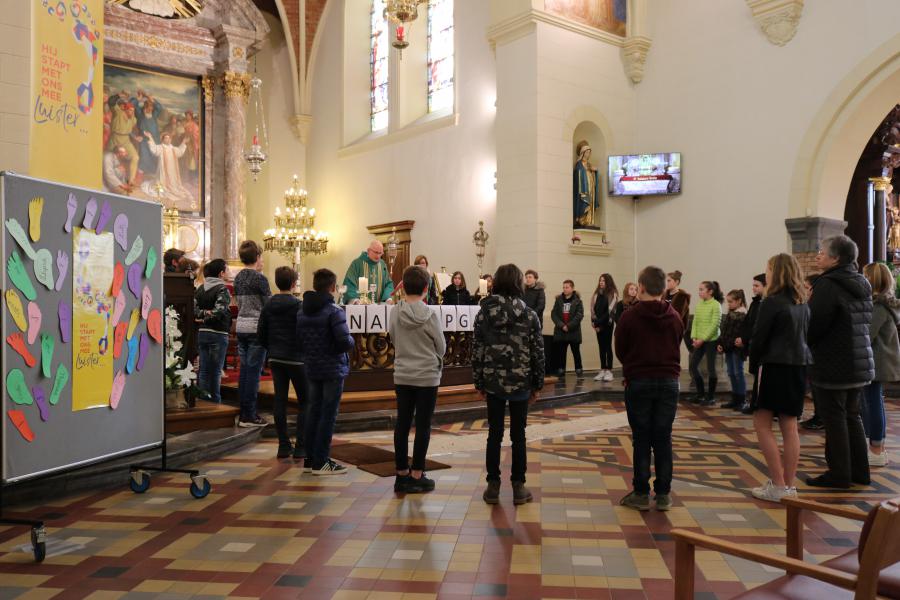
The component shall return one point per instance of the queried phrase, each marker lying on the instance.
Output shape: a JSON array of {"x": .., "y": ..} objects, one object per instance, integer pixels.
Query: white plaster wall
[
  {"x": 441, "y": 179},
  {"x": 15, "y": 75},
  {"x": 287, "y": 156},
  {"x": 737, "y": 107}
]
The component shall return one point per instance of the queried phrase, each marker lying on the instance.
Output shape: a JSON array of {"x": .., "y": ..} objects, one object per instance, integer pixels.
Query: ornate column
[
  {"x": 806, "y": 235},
  {"x": 879, "y": 242},
  {"x": 234, "y": 226}
]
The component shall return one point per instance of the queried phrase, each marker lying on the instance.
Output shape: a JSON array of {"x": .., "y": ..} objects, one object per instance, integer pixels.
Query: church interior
[{"x": 580, "y": 140}]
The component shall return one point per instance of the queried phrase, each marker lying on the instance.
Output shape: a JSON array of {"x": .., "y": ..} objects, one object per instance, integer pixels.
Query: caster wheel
[
  {"x": 38, "y": 545},
  {"x": 202, "y": 490},
  {"x": 140, "y": 482}
]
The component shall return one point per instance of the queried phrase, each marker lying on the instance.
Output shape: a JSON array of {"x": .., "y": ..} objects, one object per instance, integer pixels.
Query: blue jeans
[
  {"x": 734, "y": 361},
  {"x": 874, "y": 421},
  {"x": 253, "y": 357},
  {"x": 323, "y": 397},
  {"x": 212, "y": 348},
  {"x": 651, "y": 406}
]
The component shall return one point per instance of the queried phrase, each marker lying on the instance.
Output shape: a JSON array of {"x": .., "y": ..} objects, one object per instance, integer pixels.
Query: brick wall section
[
  {"x": 807, "y": 262},
  {"x": 15, "y": 77},
  {"x": 314, "y": 11},
  {"x": 292, "y": 10}
]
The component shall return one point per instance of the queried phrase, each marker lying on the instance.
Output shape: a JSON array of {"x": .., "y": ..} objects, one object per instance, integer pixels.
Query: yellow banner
[
  {"x": 67, "y": 91},
  {"x": 92, "y": 352}
]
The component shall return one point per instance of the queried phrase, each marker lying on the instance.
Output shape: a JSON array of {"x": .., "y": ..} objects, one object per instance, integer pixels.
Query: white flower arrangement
[{"x": 179, "y": 372}]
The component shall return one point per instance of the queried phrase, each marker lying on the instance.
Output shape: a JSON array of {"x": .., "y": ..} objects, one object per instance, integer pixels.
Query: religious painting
[
  {"x": 606, "y": 15},
  {"x": 153, "y": 136}
]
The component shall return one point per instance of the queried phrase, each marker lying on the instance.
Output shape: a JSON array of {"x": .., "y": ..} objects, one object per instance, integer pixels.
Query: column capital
[
  {"x": 778, "y": 19},
  {"x": 881, "y": 183},
  {"x": 808, "y": 232},
  {"x": 236, "y": 85}
]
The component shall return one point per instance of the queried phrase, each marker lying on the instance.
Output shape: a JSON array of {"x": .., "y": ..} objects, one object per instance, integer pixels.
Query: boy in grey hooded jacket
[{"x": 419, "y": 348}]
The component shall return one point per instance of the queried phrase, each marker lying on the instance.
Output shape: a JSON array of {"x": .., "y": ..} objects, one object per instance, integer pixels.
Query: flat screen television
[{"x": 645, "y": 174}]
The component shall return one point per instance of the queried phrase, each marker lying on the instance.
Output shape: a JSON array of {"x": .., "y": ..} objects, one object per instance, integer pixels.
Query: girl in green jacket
[{"x": 704, "y": 336}]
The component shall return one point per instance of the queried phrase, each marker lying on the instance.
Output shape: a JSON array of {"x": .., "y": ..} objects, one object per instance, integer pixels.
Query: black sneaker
[
  {"x": 813, "y": 424},
  {"x": 708, "y": 402},
  {"x": 299, "y": 452},
  {"x": 747, "y": 409},
  {"x": 579, "y": 372},
  {"x": 330, "y": 468},
  {"x": 284, "y": 450},
  {"x": 402, "y": 484},
  {"x": 420, "y": 485},
  {"x": 254, "y": 422}
]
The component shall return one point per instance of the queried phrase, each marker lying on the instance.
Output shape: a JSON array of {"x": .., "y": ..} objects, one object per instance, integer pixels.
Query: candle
[
  {"x": 482, "y": 287},
  {"x": 363, "y": 285},
  {"x": 400, "y": 33}
]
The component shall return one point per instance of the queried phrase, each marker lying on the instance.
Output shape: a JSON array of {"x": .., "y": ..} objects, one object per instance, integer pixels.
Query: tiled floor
[{"x": 268, "y": 531}]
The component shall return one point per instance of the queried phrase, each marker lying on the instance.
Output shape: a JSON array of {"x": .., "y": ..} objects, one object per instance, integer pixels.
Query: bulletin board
[{"x": 82, "y": 326}]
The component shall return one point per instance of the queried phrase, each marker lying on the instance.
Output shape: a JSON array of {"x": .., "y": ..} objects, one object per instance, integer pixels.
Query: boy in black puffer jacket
[
  {"x": 324, "y": 340},
  {"x": 276, "y": 333}
]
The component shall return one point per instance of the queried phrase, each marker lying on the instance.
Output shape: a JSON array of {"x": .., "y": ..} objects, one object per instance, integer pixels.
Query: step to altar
[{"x": 204, "y": 415}]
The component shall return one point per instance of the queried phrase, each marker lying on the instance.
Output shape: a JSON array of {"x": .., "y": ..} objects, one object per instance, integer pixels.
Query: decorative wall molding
[
  {"x": 634, "y": 56},
  {"x": 808, "y": 232},
  {"x": 525, "y": 23},
  {"x": 778, "y": 19},
  {"x": 300, "y": 125}
]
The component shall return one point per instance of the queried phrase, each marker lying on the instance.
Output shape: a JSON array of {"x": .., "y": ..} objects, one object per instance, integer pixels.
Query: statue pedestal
[{"x": 590, "y": 241}]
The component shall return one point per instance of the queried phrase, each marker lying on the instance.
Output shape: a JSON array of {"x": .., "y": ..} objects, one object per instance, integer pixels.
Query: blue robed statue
[{"x": 586, "y": 188}]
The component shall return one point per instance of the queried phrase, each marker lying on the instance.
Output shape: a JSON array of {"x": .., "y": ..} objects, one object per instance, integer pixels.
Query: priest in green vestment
[{"x": 369, "y": 265}]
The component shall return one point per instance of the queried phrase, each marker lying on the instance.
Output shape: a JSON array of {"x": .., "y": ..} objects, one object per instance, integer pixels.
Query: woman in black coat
[{"x": 456, "y": 292}]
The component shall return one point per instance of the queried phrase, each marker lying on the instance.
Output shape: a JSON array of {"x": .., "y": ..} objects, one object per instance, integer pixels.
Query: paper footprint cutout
[
  {"x": 154, "y": 325},
  {"x": 19, "y": 276},
  {"x": 41, "y": 400},
  {"x": 120, "y": 231},
  {"x": 21, "y": 424},
  {"x": 151, "y": 262},
  {"x": 59, "y": 383},
  {"x": 16, "y": 388},
  {"x": 118, "y": 386},
  {"x": 16, "y": 311},
  {"x": 64, "y": 312},
  {"x": 137, "y": 248},
  {"x": 118, "y": 309},
  {"x": 144, "y": 348},
  {"x": 146, "y": 301},
  {"x": 134, "y": 279},
  {"x": 103, "y": 219},
  {"x": 62, "y": 268},
  {"x": 34, "y": 321},
  {"x": 47, "y": 345},
  {"x": 71, "y": 208},
  {"x": 17, "y": 233},
  {"x": 118, "y": 339},
  {"x": 133, "y": 322},
  {"x": 16, "y": 341},
  {"x": 90, "y": 211},
  {"x": 35, "y": 210},
  {"x": 43, "y": 268},
  {"x": 132, "y": 355},
  {"x": 118, "y": 279}
]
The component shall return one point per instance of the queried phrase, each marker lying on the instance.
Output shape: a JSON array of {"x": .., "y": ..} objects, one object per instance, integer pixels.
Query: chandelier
[
  {"x": 294, "y": 234},
  {"x": 257, "y": 155},
  {"x": 402, "y": 12}
]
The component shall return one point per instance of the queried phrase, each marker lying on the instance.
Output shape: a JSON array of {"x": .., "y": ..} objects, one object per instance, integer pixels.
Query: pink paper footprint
[
  {"x": 118, "y": 310},
  {"x": 65, "y": 321},
  {"x": 118, "y": 387},
  {"x": 34, "y": 321},
  {"x": 41, "y": 400},
  {"x": 144, "y": 350}
]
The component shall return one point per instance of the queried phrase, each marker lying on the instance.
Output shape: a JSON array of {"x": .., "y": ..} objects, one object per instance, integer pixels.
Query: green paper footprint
[
  {"x": 17, "y": 388},
  {"x": 151, "y": 262},
  {"x": 62, "y": 378},
  {"x": 47, "y": 344},
  {"x": 19, "y": 276}
]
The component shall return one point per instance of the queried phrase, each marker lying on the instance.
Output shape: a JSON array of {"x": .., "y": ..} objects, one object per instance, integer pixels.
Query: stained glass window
[
  {"x": 440, "y": 54},
  {"x": 378, "y": 66}
]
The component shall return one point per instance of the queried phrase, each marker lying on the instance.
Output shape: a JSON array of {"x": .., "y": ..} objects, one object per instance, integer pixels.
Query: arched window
[
  {"x": 378, "y": 67},
  {"x": 440, "y": 54}
]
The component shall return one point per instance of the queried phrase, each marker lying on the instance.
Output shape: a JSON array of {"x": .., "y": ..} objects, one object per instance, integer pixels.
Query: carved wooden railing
[{"x": 374, "y": 351}]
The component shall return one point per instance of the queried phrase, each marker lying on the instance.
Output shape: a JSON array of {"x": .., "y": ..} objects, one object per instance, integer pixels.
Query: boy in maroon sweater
[{"x": 648, "y": 338}]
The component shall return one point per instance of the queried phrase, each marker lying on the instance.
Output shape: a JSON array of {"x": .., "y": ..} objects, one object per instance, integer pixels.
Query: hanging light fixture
[
  {"x": 257, "y": 155},
  {"x": 402, "y": 12},
  {"x": 294, "y": 234},
  {"x": 480, "y": 239}
]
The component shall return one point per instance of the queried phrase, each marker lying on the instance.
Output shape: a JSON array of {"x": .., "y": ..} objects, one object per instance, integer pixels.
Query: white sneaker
[
  {"x": 600, "y": 376},
  {"x": 878, "y": 460},
  {"x": 608, "y": 376},
  {"x": 771, "y": 493}
]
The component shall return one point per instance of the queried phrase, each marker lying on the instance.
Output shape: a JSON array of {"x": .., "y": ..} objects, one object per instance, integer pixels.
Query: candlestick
[
  {"x": 363, "y": 285},
  {"x": 482, "y": 287}
]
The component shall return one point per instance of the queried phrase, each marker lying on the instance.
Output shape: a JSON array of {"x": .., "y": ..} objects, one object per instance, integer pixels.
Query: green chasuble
[{"x": 376, "y": 273}]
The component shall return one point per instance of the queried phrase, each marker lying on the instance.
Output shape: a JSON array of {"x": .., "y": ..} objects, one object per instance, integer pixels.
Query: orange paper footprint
[
  {"x": 18, "y": 420},
  {"x": 17, "y": 343},
  {"x": 118, "y": 279},
  {"x": 118, "y": 338}
]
